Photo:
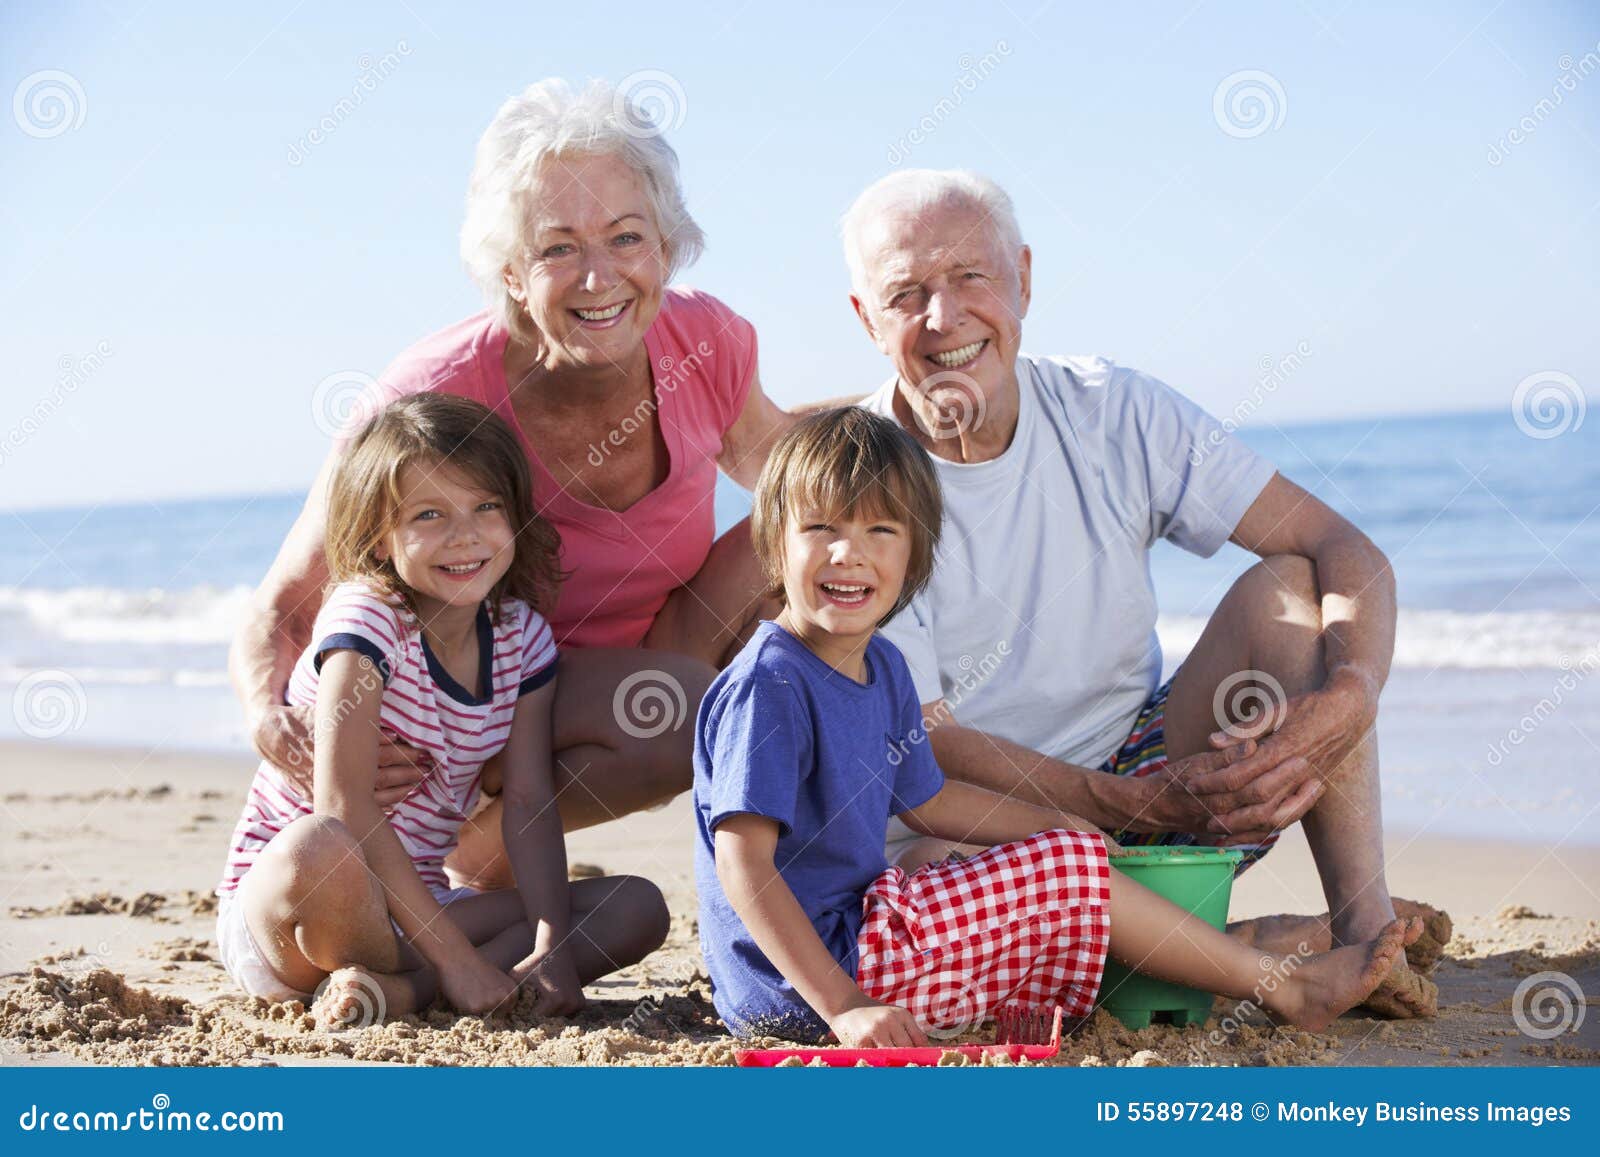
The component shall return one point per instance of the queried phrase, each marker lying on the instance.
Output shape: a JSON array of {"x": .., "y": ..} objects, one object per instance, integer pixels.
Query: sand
[{"x": 107, "y": 858}]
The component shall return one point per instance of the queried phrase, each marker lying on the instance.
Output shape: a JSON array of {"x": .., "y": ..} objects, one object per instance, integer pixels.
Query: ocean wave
[
  {"x": 1460, "y": 640},
  {"x": 181, "y": 637},
  {"x": 153, "y": 616}
]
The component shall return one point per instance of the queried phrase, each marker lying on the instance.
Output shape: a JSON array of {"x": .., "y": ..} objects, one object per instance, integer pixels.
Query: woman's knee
[{"x": 643, "y": 910}]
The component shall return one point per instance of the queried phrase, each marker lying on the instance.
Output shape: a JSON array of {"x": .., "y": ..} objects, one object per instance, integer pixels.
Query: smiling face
[
  {"x": 450, "y": 541},
  {"x": 841, "y": 574},
  {"x": 944, "y": 299},
  {"x": 592, "y": 277}
]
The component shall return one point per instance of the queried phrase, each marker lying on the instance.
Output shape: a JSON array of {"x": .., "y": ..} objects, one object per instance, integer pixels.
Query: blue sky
[{"x": 213, "y": 266}]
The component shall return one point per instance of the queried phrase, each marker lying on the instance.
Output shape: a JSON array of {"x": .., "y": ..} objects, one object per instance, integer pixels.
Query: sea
[{"x": 115, "y": 618}]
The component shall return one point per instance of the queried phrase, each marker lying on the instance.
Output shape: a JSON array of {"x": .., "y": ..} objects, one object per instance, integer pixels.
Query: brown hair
[
  {"x": 433, "y": 429},
  {"x": 841, "y": 461}
]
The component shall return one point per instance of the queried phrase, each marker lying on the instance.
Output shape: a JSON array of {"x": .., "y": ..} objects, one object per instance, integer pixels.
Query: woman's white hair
[
  {"x": 919, "y": 190},
  {"x": 551, "y": 119}
]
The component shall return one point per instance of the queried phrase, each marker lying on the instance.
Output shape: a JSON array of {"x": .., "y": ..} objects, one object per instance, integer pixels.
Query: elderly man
[{"x": 1034, "y": 648}]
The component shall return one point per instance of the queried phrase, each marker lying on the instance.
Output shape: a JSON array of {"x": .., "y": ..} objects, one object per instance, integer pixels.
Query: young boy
[{"x": 811, "y": 739}]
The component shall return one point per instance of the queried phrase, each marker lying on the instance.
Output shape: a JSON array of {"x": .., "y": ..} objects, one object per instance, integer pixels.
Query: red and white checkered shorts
[{"x": 1023, "y": 923}]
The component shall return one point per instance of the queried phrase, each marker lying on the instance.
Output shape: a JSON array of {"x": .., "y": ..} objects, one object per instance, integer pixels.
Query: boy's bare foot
[
  {"x": 1334, "y": 982},
  {"x": 1282, "y": 935},
  {"x": 355, "y": 997}
]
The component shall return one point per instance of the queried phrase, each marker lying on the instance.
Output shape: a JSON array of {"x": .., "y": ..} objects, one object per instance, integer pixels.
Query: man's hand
[
  {"x": 283, "y": 737},
  {"x": 1295, "y": 758},
  {"x": 553, "y": 979},
  {"x": 877, "y": 1026}
]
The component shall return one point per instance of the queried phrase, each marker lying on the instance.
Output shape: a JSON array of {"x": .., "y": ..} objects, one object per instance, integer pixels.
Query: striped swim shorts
[{"x": 1144, "y": 752}]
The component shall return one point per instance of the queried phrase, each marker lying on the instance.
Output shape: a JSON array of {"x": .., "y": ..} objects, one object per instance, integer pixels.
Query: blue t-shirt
[{"x": 781, "y": 734}]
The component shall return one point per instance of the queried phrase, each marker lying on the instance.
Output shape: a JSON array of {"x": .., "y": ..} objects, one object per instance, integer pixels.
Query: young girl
[
  {"x": 429, "y": 634},
  {"x": 812, "y": 738}
]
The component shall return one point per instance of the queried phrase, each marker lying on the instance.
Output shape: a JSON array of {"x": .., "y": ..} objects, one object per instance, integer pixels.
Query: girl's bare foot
[
  {"x": 1322, "y": 987},
  {"x": 355, "y": 997}
]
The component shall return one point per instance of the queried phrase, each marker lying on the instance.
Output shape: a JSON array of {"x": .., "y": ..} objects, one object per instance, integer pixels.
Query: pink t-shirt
[{"x": 623, "y": 564}]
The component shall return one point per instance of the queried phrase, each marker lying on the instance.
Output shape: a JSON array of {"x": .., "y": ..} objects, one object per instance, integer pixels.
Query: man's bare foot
[
  {"x": 1405, "y": 994},
  {"x": 1282, "y": 935},
  {"x": 1330, "y": 983},
  {"x": 356, "y": 998}
]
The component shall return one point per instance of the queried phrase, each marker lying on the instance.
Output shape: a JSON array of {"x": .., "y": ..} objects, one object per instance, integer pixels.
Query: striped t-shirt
[{"x": 423, "y": 706}]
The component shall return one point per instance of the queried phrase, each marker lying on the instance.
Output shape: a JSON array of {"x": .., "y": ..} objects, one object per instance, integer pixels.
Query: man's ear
[
  {"x": 866, "y": 321},
  {"x": 1025, "y": 272}
]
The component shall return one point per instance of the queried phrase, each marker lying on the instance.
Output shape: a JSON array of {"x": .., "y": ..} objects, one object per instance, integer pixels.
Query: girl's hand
[
  {"x": 877, "y": 1026},
  {"x": 554, "y": 981},
  {"x": 474, "y": 985}
]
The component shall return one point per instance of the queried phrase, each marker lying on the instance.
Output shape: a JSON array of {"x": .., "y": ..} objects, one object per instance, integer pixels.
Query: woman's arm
[
  {"x": 760, "y": 424},
  {"x": 349, "y": 695},
  {"x": 536, "y": 847},
  {"x": 276, "y": 629},
  {"x": 744, "y": 849},
  {"x": 966, "y": 814}
]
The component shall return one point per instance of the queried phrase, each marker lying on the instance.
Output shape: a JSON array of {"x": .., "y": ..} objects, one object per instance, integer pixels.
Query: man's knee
[{"x": 1290, "y": 577}]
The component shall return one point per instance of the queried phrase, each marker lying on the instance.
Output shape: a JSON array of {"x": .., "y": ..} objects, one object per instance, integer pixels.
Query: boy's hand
[
  {"x": 474, "y": 985},
  {"x": 554, "y": 981},
  {"x": 877, "y": 1026}
]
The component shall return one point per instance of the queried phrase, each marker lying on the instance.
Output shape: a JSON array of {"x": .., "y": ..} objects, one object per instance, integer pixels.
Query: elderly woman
[{"x": 628, "y": 394}]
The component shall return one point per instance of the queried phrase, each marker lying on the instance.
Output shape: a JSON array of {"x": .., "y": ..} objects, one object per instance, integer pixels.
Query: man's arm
[
  {"x": 1356, "y": 581},
  {"x": 998, "y": 765},
  {"x": 1112, "y": 803},
  {"x": 1315, "y": 731},
  {"x": 966, "y": 814}
]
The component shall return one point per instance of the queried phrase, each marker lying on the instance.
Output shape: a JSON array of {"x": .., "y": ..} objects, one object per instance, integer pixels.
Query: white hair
[
  {"x": 550, "y": 120},
  {"x": 919, "y": 190}
]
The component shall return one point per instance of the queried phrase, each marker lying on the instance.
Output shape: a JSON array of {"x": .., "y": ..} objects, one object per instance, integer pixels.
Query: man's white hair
[
  {"x": 550, "y": 120},
  {"x": 919, "y": 190}
]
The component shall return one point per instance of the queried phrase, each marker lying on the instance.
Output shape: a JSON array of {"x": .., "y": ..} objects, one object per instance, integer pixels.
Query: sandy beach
[{"x": 107, "y": 953}]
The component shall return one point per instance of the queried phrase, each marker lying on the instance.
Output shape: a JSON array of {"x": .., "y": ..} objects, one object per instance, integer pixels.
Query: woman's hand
[
  {"x": 284, "y": 736},
  {"x": 474, "y": 985},
  {"x": 872, "y": 1025},
  {"x": 553, "y": 979}
]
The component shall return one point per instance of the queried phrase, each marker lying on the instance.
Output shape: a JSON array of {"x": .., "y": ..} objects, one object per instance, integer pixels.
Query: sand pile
[
  {"x": 98, "y": 1016},
  {"x": 165, "y": 909}
]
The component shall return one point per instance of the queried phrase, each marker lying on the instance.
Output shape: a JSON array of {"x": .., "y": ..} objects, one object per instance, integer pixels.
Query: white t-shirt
[{"x": 1039, "y": 623}]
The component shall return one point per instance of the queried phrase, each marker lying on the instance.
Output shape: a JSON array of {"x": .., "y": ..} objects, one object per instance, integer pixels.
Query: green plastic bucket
[{"x": 1198, "y": 880}]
